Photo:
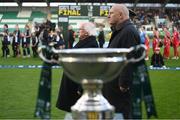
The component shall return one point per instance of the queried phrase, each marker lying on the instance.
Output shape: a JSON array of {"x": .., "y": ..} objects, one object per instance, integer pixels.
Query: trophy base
[
  {"x": 117, "y": 116},
  {"x": 92, "y": 105},
  {"x": 93, "y": 115}
]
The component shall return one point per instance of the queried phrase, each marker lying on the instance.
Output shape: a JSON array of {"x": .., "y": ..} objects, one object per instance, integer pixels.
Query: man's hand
[
  {"x": 124, "y": 89},
  {"x": 164, "y": 66},
  {"x": 151, "y": 67}
]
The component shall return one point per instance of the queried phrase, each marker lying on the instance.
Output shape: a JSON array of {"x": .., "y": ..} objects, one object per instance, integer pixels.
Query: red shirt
[
  {"x": 176, "y": 38},
  {"x": 155, "y": 43}
]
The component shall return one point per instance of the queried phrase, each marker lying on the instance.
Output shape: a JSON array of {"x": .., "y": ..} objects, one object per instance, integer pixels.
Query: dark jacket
[
  {"x": 71, "y": 38},
  {"x": 5, "y": 40},
  {"x": 101, "y": 38},
  {"x": 17, "y": 33},
  {"x": 68, "y": 92},
  {"x": 124, "y": 35},
  {"x": 157, "y": 60},
  {"x": 27, "y": 33}
]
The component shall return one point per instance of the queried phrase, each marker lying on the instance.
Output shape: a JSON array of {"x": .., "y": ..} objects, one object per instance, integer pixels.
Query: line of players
[
  {"x": 26, "y": 40},
  {"x": 167, "y": 41}
]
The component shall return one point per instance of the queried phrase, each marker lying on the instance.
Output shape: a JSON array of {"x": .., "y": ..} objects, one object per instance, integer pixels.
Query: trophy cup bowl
[
  {"x": 91, "y": 67},
  {"x": 92, "y": 63}
]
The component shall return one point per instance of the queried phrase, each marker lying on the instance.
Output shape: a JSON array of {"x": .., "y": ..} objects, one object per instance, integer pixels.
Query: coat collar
[
  {"x": 84, "y": 42},
  {"x": 121, "y": 25}
]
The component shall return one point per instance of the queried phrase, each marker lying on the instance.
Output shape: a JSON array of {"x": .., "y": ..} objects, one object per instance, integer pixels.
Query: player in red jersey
[{"x": 167, "y": 42}]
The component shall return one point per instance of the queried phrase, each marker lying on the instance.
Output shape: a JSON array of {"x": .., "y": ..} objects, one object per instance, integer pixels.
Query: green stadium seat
[
  {"x": 24, "y": 14},
  {"x": 37, "y": 14},
  {"x": 9, "y": 15}
]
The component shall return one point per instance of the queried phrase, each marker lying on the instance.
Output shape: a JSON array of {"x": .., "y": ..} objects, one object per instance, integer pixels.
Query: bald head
[
  {"x": 117, "y": 14},
  {"x": 121, "y": 8}
]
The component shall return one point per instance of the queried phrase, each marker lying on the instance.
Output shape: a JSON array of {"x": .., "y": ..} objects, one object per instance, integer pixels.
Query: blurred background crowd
[{"x": 157, "y": 28}]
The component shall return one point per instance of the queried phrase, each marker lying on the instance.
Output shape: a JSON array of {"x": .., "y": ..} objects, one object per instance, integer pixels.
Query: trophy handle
[
  {"x": 136, "y": 48},
  {"x": 40, "y": 51},
  {"x": 51, "y": 49}
]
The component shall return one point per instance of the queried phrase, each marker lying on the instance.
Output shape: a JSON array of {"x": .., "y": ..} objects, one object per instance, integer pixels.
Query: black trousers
[{"x": 5, "y": 50}]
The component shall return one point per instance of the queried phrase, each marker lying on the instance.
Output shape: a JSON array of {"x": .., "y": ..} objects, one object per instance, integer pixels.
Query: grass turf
[{"x": 18, "y": 90}]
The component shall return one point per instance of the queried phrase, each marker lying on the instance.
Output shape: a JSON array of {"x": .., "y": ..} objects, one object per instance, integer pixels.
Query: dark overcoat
[
  {"x": 157, "y": 60},
  {"x": 124, "y": 35},
  {"x": 70, "y": 38},
  {"x": 68, "y": 92},
  {"x": 101, "y": 39}
]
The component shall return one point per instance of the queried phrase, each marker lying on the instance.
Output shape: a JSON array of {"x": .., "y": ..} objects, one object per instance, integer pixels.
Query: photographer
[
  {"x": 157, "y": 59},
  {"x": 49, "y": 38},
  {"x": 60, "y": 44}
]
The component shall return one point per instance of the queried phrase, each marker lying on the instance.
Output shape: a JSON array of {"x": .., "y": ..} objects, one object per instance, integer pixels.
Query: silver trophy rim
[{"x": 93, "y": 50}]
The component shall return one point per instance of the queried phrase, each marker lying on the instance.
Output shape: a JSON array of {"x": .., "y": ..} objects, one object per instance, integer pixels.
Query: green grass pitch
[{"x": 18, "y": 90}]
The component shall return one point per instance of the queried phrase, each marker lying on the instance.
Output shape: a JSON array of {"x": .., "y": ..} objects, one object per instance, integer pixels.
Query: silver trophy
[{"x": 92, "y": 67}]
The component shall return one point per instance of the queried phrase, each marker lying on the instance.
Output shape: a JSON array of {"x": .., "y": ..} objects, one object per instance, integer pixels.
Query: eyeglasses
[{"x": 81, "y": 29}]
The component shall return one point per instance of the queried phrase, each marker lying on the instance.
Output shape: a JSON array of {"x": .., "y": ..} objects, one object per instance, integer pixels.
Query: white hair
[
  {"x": 90, "y": 28},
  {"x": 70, "y": 27}
]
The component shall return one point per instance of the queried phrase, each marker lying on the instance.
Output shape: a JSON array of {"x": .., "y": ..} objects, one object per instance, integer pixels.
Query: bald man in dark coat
[{"x": 124, "y": 35}]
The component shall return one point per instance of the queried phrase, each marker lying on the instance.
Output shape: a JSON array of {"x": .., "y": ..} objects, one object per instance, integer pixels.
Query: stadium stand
[
  {"x": 31, "y": 14},
  {"x": 24, "y": 14},
  {"x": 19, "y": 17}
]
